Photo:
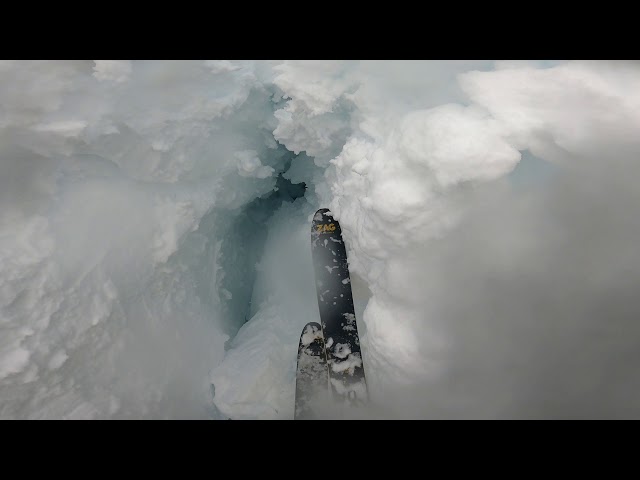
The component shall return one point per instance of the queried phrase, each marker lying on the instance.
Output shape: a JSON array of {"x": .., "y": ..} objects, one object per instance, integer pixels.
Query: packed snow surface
[{"x": 155, "y": 235}]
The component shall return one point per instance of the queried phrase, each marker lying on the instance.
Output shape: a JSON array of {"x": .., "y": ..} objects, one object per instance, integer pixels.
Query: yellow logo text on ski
[{"x": 327, "y": 227}]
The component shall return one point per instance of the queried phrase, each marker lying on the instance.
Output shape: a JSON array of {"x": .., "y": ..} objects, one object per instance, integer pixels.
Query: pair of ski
[{"x": 330, "y": 373}]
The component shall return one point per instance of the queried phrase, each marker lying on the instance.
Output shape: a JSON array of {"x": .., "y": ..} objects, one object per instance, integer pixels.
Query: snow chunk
[
  {"x": 58, "y": 359},
  {"x": 173, "y": 220},
  {"x": 13, "y": 360},
  {"x": 457, "y": 143},
  {"x": 351, "y": 321},
  {"x": 65, "y": 128},
  {"x": 350, "y": 364},
  {"x": 249, "y": 165},
  {"x": 351, "y": 318},
  {"x": 342, "y": 350}
]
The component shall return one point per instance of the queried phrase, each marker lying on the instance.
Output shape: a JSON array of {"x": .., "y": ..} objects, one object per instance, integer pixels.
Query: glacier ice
[{"x": 154, "y": 224}]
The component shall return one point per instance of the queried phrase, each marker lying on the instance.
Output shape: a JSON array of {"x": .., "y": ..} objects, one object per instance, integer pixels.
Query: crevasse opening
[{"x": 243, "y": 244}]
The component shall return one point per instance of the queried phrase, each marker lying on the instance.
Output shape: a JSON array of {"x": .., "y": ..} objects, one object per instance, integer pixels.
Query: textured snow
[
  {"x": 58, "y": 359},
  {"x": 348, "y": 364},
  {"x": 342, "y": 350},
  {"x": 122, "y": 184},
  {"x": 107, "y": 170},
  {"x": 249, "y": 165}
]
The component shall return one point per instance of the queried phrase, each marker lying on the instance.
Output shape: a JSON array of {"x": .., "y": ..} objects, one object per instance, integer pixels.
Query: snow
[
  {"x": 342, "y": 350},
  {"x": 135, "y": 204},
  {"x": 58, "y": 359},
  {"x": 352, "y": 361},
  {"x": 14, "y": 360},
  {"x": 249, "y": 165},
  {"x": 68, "y": 128},
  {"x": 351, "y": 321},
  {"x": 309, "y": 334},
  {"x": 342, "y": 388}
]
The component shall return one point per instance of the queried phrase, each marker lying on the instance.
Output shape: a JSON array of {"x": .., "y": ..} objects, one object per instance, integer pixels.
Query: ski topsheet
[
  {"x": 312, "y": 382},
  {"x": 333, "y": 286}
]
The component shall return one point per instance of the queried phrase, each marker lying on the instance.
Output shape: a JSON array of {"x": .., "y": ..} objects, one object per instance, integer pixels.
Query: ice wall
[{"x": 117, "y": 182}]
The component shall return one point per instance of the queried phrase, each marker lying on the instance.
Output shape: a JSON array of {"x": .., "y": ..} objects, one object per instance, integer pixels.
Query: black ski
[
  {"x": 312, "y": 382},
  {"x": 333, "y": 286}
]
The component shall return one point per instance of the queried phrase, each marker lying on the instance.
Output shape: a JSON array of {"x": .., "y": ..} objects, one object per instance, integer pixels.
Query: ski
[
  {"x": 312, "y": 381},
  {"x": 333, "y": 286}
]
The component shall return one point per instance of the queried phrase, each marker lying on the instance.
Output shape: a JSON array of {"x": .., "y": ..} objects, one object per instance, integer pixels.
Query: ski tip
[
  {"x": 320, "y": 214},
  {"x": 324, "y": 224},
  {"x": 311, "y": 332},
  {"x": 312, "y": 325}
]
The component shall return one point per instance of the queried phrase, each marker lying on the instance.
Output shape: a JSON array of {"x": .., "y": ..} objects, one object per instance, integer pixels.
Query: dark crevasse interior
[
  {"x": 236, "y": 244},
  {"x": 244, "y": 244}
]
